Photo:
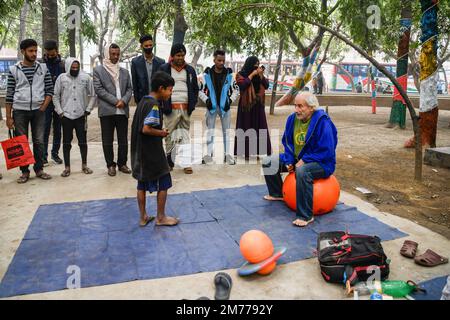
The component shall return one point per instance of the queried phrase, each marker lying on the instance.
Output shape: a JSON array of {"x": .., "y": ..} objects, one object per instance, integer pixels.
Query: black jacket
[
  {"x": 193, "y": 88},
  {"x": 139, "y": 75}
]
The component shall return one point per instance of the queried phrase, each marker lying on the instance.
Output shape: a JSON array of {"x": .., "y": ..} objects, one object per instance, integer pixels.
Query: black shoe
[
  {"x": 45, "y": 163},
  {"x": 112, "y": 171},
  {"x": 57, "y": 159},
  {"x": 125, "y": 169}
]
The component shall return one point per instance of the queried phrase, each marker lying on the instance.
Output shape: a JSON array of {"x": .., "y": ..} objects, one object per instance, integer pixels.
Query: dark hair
[
  {"x": 177, "y": 48},
  {"x": 50, "y": 45},
  {"x": 27, "y": 43},
  {"x": 145, "y": 37},
  {"x": 219, "y": 52},
  {"x": 114, "y": 46},
  {"x": 161, "y": 79}
]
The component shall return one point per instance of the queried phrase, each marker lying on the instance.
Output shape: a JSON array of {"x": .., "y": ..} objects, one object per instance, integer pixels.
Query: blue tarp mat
[
  {"x": 104, "y": 240},
  {"x": 434, "y": 289}
]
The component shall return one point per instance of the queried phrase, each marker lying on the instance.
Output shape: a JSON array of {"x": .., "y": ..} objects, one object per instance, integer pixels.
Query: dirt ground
[{"x": 371, "y": 156}]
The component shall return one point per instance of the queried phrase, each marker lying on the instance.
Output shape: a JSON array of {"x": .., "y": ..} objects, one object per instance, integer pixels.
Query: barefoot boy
[{"x": 148, "y": 159}]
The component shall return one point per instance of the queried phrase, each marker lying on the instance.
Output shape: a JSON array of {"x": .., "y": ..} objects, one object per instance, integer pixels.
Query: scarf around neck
[{"x": 113, "y": 69}]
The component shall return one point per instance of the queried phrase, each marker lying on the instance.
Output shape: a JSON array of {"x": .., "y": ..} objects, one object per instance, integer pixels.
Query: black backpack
[{"x": 352, "y": 257}]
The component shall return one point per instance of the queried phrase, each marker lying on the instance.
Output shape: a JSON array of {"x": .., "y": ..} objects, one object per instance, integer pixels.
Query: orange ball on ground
[{"x": 256, "y": 246}]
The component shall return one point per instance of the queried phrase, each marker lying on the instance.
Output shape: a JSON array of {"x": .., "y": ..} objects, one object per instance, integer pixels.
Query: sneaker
[
  {"x": 57, "y": 159},
  {"x": 207, "y": 159},
  {"x": 45, "y": 162},
  {"x": 229, "y": 160}
]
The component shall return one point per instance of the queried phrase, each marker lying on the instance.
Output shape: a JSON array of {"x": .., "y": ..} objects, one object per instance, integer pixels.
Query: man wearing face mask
[
  {"x": 71, "y": 99},
  {"x": 56, "y": 67},
  {"x": 143, "y": 67}
]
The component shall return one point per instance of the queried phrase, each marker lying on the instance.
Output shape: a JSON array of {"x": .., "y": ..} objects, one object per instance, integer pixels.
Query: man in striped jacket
[{"x": 29, "y": 92}]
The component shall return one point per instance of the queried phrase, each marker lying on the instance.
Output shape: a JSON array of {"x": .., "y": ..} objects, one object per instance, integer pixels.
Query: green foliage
[
  {"x": 142, "y": 16},
  {"x": 242, "y": 25}
]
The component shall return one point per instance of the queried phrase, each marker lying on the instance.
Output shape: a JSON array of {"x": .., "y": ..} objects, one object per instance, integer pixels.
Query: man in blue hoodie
[{"x": 309, "y": 141}]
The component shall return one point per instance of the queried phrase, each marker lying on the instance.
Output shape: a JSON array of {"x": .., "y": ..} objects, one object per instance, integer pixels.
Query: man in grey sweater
[
  {"x": 113, "y": 88},
  {"x": 71, "y": 100}
]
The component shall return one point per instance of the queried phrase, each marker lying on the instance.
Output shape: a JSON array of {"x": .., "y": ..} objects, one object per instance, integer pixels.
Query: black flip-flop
[{"x": 223, "y": 284}]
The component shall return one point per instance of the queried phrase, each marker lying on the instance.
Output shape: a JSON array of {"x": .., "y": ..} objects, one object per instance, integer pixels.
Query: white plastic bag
[{"x": 188, "y": 155}]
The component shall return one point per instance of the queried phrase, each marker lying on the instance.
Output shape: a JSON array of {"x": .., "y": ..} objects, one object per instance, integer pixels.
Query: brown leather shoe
[
  {"x": 112, "y": 171},
  {"x": 125, "y": 169}
]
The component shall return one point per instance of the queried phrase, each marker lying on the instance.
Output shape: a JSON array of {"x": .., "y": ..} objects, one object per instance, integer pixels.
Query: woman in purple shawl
[{"x": 251, "y": 112}]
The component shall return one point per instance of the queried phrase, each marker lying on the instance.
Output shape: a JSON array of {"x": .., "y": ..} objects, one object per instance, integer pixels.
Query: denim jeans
[
  {"x": 225, "y": 119},
  {"x": 305, "y": 175},
  {"x": 22, "y": 121},
  {"x": 51, "y": 117}
]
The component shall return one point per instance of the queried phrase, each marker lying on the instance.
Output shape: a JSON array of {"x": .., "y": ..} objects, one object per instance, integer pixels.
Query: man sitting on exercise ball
[{"x": 309, "y": 140}]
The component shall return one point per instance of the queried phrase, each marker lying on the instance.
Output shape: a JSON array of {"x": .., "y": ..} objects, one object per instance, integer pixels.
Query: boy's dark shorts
[{"x": 162, "y": 184}]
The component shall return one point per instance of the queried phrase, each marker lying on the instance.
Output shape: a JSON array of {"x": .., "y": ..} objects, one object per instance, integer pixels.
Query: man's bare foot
[
  {"x": 270, "y": 198},
  {"x": 167, "y": 221},
  {"x": 302, "y": 223},
  {"x": 147, "y": 219}
]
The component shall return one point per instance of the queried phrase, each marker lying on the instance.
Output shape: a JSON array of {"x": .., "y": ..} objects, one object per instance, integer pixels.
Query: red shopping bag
[{"x": 17, "y": 151}]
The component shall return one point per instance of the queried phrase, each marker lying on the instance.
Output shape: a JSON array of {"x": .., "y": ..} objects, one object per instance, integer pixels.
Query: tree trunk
[
  {"x": 414, "y": 70},
  {"x": 180, "y": 26},
  {"x": 277, "y": 72},
  {"x": 80, "y": 38},
  {"x": 72, "y": 42},
  {"x": 197, "y": 54},
  {"x": 398, "y": 110},
  {"x": 428, "y": 110},
  {"x": 22, "y": 27},
  {"x": 445, "y": 80},
  {"x": 50, "y": 20}
]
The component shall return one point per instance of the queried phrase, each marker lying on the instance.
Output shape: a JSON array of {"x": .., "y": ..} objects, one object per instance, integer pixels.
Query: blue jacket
[
  {"x": 139, "y": 76},
  {"x": 192, "y": 85},
  {"x": 229, "y": 93},
  {"x": 320, "y": 144}
]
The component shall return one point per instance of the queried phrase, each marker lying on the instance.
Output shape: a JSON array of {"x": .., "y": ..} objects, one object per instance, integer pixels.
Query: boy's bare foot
[
  {"x": 270, "y": 198},
  {"x": 146, "y": 220},
  {"x": 302, "y": 223},
  {"x": 167, "y": 221}
]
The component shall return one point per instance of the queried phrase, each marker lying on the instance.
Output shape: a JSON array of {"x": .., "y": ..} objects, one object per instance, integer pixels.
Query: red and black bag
[
  {"x": 353, "y": 257},
  {"x": 17, "y": 151}
]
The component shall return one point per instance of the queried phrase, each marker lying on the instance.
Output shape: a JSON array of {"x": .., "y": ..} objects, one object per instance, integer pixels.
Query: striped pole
[{"x": 374, "y": 90}]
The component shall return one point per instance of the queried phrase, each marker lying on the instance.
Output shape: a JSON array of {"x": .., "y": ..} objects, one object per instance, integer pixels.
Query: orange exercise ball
[
  {"x": 256, "y": 246},
  {"x": 325, "y": 194}
]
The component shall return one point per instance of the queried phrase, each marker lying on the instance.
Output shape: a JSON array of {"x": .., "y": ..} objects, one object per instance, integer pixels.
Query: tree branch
[
  {"x": 329, "y": 13},
  {"x": 295, "y": 39}
]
